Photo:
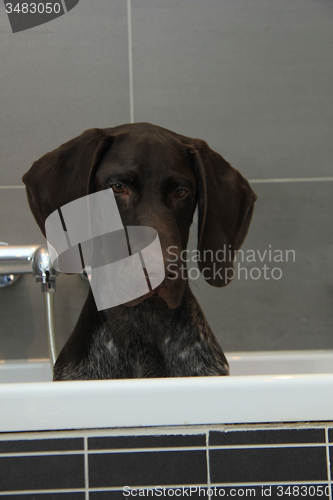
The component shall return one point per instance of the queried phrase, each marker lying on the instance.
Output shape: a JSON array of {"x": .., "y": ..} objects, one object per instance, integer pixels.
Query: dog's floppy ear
[
  {"x": 225, "y": 205},
  {"x": 65, "y": 174}
]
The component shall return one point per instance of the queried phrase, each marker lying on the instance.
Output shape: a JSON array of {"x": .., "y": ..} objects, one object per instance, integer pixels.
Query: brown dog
[{"x": 158, "y": 177}]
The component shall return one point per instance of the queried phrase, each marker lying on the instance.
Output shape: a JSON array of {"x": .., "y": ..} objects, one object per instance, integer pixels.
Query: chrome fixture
[
  {"x": 42, "y": 269},
  {"x": 22, "y": 259},
  {"x": 45, "y": 274},
  {"x": 13, "y": 262},
  {"x": 16, "y": 259}
]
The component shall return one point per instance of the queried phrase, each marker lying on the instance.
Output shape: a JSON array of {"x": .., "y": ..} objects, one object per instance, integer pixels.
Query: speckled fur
[{"x": 148, "y": 340}]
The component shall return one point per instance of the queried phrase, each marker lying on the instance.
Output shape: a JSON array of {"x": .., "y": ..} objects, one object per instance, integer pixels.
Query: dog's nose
[
  {"x": 173, "y": 270},
  {"x": 172, "y": 287},
  {"x": 171, "y": 275},
  {"x": 168, "y": 278}
]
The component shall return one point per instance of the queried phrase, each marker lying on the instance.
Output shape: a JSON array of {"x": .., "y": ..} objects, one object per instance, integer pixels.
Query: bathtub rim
[
  {"x": 97, "y": 404},
  {"x": 241, "y": 363}
]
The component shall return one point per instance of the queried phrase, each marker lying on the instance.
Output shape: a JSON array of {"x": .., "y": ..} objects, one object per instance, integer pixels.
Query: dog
[{"x": 159, "y": 178}]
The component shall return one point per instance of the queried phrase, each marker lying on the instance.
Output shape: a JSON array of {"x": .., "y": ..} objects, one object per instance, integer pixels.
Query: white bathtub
[{"x": 263, "y": 387}]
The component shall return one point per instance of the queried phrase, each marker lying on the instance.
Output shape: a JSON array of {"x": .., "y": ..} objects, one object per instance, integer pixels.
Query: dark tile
[
  {"x": 330, "y": 435},
  {"x": 191, "y": 492},
  {"x": 107, "y": 495},
  {"x": 41, "y": 473},
  {"x": 166, "y": 441},
  {"x": 147, "y": 468},
  {"x": 268, "y": 464},
  {"x": 279, "y": 436},
  {"x": 33, "y": 445},
  {"x": 45, "y": 496}
]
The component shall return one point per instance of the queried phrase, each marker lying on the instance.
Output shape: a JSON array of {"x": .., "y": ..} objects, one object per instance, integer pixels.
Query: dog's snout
[
  {"x": 173, "y": 267},
  {"x": 170, "y": 277}
]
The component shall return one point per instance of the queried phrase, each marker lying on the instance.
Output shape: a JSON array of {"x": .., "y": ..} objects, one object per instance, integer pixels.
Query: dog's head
[{"x": 158, "y": 178}]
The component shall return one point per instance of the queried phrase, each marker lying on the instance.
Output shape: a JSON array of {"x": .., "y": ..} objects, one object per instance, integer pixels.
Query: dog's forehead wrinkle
[
  {"x": 153, "y": 150},
  {"x": 148, "y": 157}
]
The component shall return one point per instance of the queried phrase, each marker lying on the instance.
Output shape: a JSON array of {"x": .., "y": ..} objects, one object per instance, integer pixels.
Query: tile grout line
[
  {"x": 328, "y": 463},
  {"x": 32, "y": 492},
  {"x": 86, "y": 468},
  {"x": 41, "y": 453},
  {"x": 161, "y": 449},
  {"x": 207, "y": 459},
  {"x": 130, "y": 59}
]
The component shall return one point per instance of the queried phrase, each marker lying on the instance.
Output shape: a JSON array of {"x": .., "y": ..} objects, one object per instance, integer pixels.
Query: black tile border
[
  {"x": 148, "y": 468},
  {"x": 36, "y": 445},
  {"x": 133, "y": 446},
  {"x": 330, "y": 435},
  {"x": 147, "y": 441},
  {"x": 260, "y": 465},
  {"x": 278, "y": 436},
  {"x": 42, "y": 472}
]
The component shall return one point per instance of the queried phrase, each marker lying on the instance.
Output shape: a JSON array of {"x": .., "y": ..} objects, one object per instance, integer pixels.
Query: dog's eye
[
  {"x": 180, "y": 192},
  {"x": 119, "y": 188}
]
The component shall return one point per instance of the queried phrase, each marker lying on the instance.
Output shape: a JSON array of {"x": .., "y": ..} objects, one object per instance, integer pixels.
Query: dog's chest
[{"x": 136, "y": 356}]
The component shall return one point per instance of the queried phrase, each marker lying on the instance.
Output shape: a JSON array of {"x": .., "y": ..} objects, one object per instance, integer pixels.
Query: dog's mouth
[{"x": 170, "y": 294}]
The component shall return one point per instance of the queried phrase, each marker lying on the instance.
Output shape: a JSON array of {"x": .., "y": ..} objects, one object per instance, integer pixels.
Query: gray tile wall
[{"x": 251, "y": 78}]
